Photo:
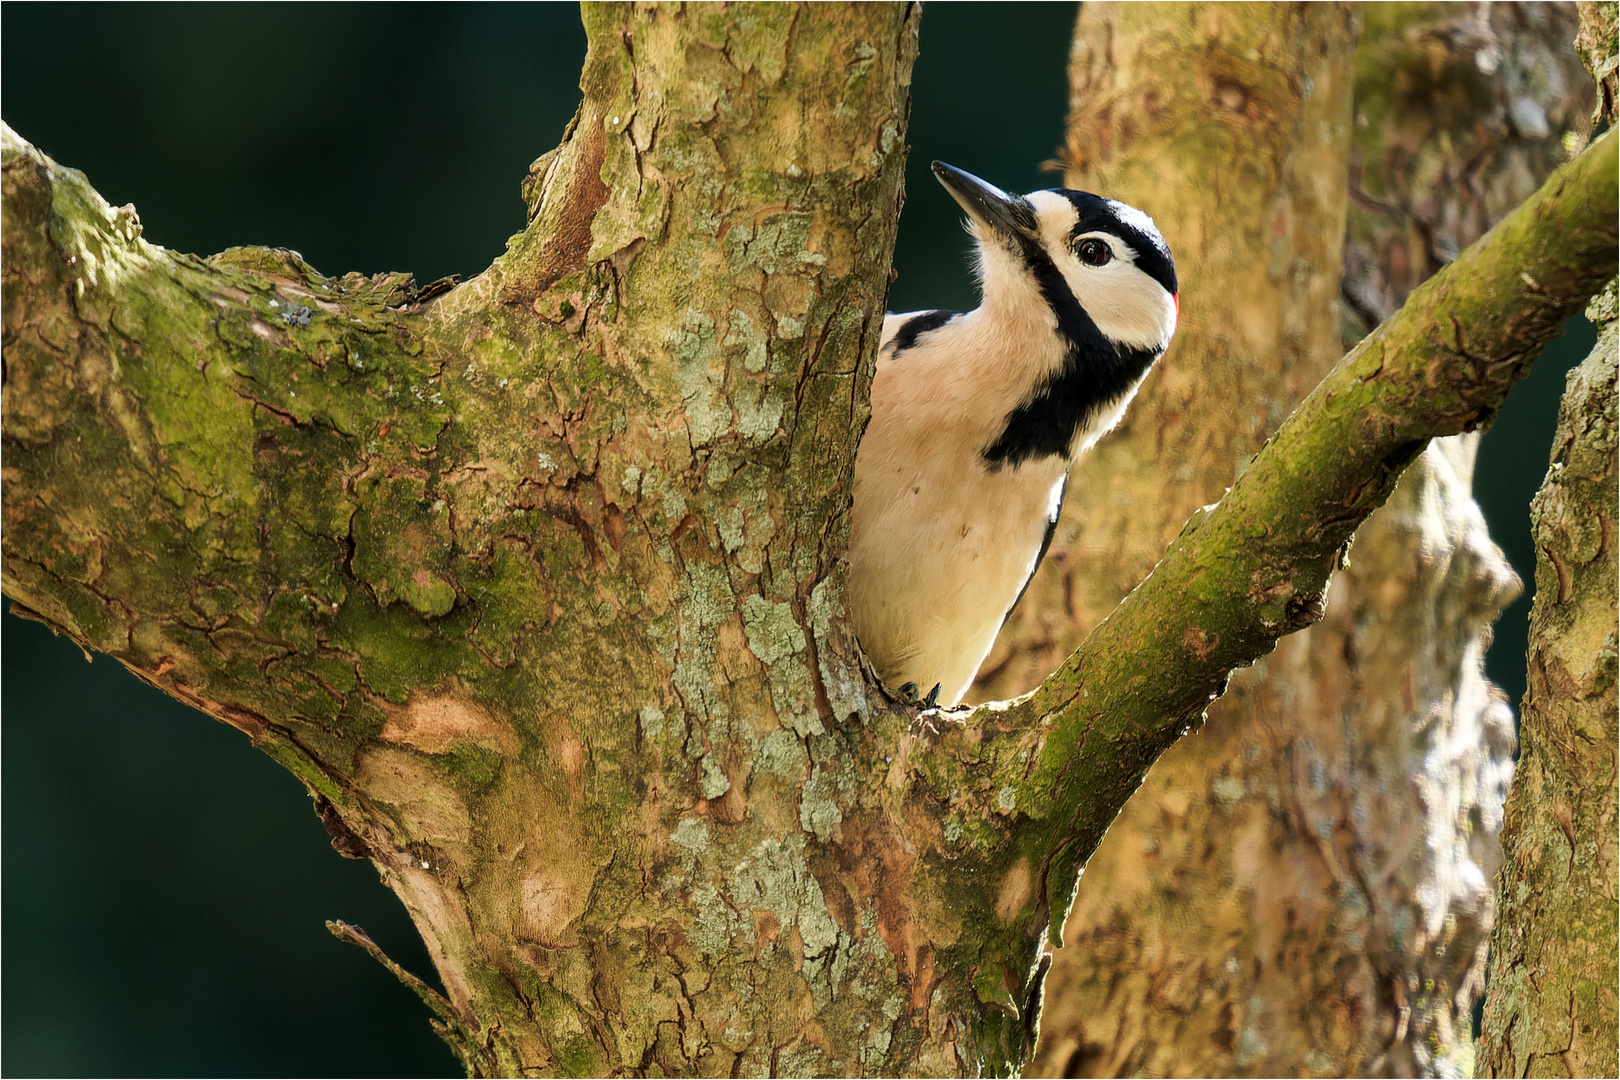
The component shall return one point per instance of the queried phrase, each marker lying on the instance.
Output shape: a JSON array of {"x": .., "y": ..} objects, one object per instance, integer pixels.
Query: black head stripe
[
  {"x": 917, "y": 325},
  {"x": 1096, "y": 214},
  {"x": 1096, "y": 372}
]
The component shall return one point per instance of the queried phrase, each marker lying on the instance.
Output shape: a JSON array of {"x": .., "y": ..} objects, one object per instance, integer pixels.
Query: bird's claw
[{"x": 911, "y": 695}]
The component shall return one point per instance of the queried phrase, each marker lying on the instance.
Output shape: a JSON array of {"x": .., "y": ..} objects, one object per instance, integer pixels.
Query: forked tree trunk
[
  {"x": 537, "y": 581},
  {"x": 1302, "y": 887},
  {"x": 532, "y": 582},
  {"x": 1551, "y": 1009}
]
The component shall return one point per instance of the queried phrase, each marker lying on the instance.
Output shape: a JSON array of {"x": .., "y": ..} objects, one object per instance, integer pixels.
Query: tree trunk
[
  {"x": 521, "y": 579},
  {"x": 1286, "y": 806},
  {"x": 1551, "y": 1006},
  {"x": 537, "y": 581}
]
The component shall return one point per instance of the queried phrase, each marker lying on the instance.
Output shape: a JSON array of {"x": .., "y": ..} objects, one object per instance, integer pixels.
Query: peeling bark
[
  {"x": 520, "y": 577},
  {"x": 536, "y": 582},
  {"x": 1551, "y": 1008}
]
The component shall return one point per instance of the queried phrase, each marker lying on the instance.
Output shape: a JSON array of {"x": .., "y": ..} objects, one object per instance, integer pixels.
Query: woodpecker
[{"x": 977, "y": 417}]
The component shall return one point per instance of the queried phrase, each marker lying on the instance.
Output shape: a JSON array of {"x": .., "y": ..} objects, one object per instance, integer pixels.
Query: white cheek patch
[{"x": 1127, "y": 305}]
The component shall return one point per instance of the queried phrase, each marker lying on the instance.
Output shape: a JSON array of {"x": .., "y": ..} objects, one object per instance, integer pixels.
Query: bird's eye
[{"x": 1094, "y": 253}]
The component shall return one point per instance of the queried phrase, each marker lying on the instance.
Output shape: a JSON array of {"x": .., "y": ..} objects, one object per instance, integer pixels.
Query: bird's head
[{"x": 1059, "y": 250}]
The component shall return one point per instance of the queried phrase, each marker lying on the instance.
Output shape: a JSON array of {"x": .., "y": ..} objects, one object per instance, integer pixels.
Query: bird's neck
[
  {"x": 1065, "y": 380},
  {"x": 1016, "y": 298}
]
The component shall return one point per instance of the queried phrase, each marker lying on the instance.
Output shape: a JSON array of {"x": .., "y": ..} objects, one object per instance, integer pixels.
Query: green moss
[
  {"x": 579, "y": 1056},
  {"x": 509, "y": 596},
  {"x": 94, "y": 620},
  {"x": 295, "y": 762},
  {"x": 589, "y": 371},
  {"x": 403, "y": 544},
  {"x": 474, "y": 766},
  {"x": 395, "y": 646}
]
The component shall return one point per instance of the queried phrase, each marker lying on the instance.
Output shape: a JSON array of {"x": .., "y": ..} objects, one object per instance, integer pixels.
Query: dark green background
[{"x": 165, "y": 885}]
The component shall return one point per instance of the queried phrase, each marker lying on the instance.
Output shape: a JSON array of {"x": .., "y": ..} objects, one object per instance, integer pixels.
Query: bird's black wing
[
  {"x": 913, "y": 328},
  {"x": 1046, "y": 545}
]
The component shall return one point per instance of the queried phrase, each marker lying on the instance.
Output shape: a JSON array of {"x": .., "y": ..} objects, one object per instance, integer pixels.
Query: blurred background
[{"x": 165, "y": 885}]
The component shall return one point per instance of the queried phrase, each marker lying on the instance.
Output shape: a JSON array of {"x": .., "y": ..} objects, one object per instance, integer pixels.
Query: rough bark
[
  {"x": 517, "y": 577},
  {"x": 1551, "y": 1006},
  {"x": 536, "y": 581},
  {"x": 1286, "y": 806},
  {"x": 1596, "y": 46}
]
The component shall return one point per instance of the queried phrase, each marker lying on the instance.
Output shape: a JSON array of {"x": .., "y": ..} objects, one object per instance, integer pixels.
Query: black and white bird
[{"x": 977, "y": 417}]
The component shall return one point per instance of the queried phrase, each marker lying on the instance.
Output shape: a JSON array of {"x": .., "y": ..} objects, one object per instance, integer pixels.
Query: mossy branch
[
  {"x": 1256, "y": 566},
  {"x": 147, "y": 395}
]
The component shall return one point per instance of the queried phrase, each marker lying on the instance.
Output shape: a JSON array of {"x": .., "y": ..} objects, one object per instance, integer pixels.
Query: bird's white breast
[
  {"x": 976, "y": 421},
  {"x": 940, "y": 544}
]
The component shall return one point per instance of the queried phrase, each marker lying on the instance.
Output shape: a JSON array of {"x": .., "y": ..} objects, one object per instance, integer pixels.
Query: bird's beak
[{"x": 986, "y": 203}]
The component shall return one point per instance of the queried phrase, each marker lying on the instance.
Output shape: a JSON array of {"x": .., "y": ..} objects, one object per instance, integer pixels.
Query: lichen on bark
[
  {"x": 478, "y": 565},
  {"x": 1551, "y": 1008}
]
